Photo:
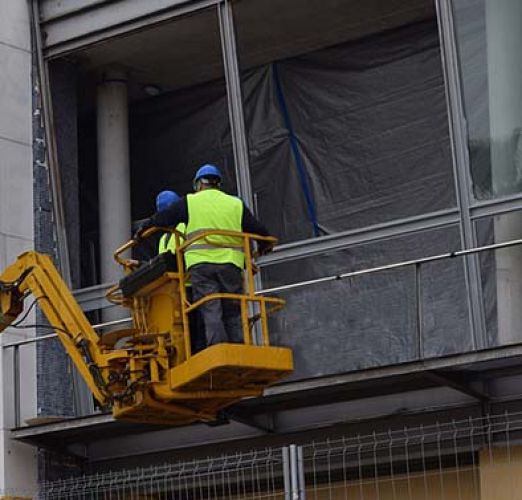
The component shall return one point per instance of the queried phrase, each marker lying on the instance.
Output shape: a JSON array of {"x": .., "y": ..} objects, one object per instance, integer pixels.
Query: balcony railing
[{"x": 93, "y": 299}]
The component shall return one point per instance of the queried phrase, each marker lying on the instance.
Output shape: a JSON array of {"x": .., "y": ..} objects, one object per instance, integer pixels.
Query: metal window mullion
[
  {"x": 235, "y": 102},
  {"x": 361, "y": 236},
  {"x": 496, "y": 206},
  {"x": 237, "y": 123},
  {"x": 461, "y": 166}
]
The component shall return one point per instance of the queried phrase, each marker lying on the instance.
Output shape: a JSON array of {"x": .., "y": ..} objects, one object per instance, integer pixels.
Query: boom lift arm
[
  {"x": 34, "y": 273},
  {"x": 147, "y": 373}
]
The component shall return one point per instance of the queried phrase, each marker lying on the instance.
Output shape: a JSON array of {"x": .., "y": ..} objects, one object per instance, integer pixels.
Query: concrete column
[
  {"x": 113, "y": 170},
  {"x": 504, "y": 45}
]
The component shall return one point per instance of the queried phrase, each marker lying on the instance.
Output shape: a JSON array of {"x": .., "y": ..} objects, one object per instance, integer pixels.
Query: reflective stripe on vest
[
  {"x": 167, "y": 242},
  {"x": 209, "y": 210},
  {"x": 215, "y": 244}
]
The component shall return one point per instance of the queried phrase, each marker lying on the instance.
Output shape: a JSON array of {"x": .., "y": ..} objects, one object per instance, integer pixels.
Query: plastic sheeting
[
  {"x": 371, "y": 126},
  {"x": 345, "y": 137},
  {"x": 370, "y": 122},
  {"x": 485, "y": 229},
  {"x": 372, "y": 320}
]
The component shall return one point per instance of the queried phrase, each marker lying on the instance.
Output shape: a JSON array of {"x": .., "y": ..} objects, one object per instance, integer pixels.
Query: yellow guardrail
[{"x": 266, "y": 305}]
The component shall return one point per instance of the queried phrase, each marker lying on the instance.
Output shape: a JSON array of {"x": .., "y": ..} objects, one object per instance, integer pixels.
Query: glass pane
[
  {"x": 178, "y": 115},
  {"x": 489, "y": 37},
  {"x": 373, "y": 320},
  {"x": 346, "y": 128},
  {"x": 501, "y": 272}
]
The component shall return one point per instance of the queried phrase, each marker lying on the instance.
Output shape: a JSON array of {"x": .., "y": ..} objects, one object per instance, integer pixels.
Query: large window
[
  {"x": 489, "y": 37},
  {"x": 346, "y": 127},
  {"x": 347, "y": 135}
]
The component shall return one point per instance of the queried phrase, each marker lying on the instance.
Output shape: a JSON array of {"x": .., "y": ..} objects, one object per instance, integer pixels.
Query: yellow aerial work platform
[{"x": 147, "y": 373}]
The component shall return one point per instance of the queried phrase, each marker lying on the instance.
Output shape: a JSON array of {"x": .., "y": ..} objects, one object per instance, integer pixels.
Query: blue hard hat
[
  {"x": 165, "y": 199},
  {"x": 207, "y": 170}
]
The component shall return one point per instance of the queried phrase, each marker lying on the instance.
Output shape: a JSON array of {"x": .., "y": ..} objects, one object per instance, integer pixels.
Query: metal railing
[
  {"x": 447, "y": 460},
  {"x": 255, "y": 474},
  {"x": 397, "y": 265}
]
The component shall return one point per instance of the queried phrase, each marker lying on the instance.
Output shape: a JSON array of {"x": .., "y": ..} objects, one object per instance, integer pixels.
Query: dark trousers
[
  {"x": 222, "y": 318},
  {"x": 198, "y": 341}
]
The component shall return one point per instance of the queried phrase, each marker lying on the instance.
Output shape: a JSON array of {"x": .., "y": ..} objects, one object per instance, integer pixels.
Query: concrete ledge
[
  {"x": 410, "y": 389},
  {"x": 69, "y": 27}
]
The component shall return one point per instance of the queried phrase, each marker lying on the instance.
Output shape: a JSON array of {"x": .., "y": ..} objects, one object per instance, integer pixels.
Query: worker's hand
[
  {"x": 264, "y": 249},
  {"x": 138, "y": 235}
]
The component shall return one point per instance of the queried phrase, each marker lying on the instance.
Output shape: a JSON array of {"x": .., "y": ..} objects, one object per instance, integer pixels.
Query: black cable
[
  {"x": 19, "y": 326},
  {"x": 24, "y": 317}
]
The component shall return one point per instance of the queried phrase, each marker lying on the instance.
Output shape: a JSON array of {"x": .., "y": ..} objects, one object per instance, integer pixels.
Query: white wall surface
[{"x": 18, "y": 463}]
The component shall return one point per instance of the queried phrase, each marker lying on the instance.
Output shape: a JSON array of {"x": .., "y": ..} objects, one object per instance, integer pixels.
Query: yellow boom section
[{"x": 36, "y": 274}]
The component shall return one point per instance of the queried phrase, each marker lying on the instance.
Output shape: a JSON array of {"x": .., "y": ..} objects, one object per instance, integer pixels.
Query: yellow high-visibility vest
[
  {"x": 167, "y": 242},
  {"x": 212, "y": 209}
]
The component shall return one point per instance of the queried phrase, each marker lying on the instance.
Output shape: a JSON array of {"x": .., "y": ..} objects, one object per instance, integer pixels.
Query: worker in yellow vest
[
  {"x": 167, "y": 243},
  {"x": 214, "y": 268}
]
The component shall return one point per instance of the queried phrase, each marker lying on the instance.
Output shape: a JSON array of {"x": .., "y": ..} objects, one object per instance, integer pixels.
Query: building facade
[
  {"x": 18, "y": 474},
  {"x": 382, "y": 138}
]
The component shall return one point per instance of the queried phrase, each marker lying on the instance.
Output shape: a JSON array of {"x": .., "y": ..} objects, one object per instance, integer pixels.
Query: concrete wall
[{"x": 17, "y": 461}]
